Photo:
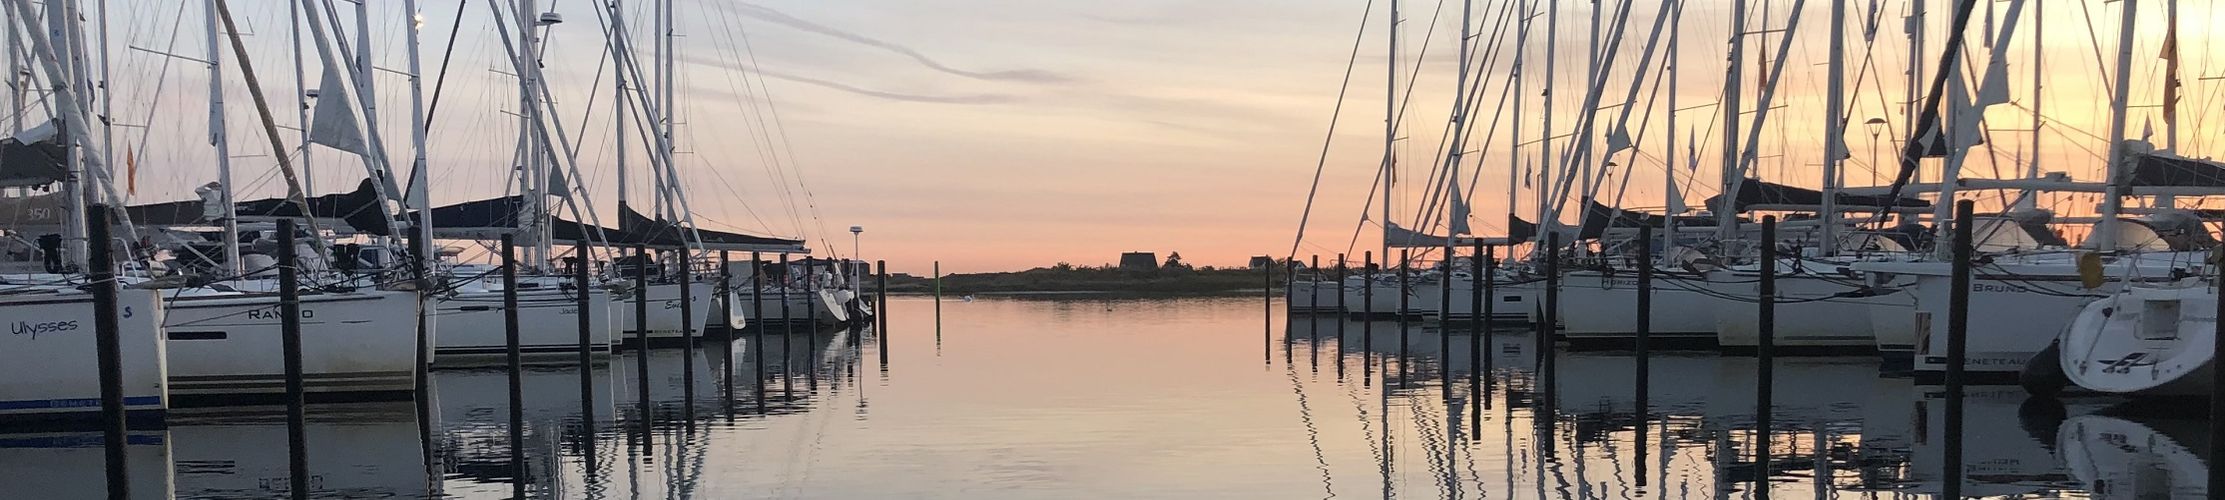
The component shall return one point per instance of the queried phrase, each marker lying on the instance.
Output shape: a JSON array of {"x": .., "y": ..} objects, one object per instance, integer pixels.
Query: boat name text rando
[{"x": 273, "y": 314}]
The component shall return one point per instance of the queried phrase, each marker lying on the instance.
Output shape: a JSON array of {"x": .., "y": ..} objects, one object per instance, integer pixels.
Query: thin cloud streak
[
  {"x": 895, "y": 96},
  {"x": 1021, "y": 75}
]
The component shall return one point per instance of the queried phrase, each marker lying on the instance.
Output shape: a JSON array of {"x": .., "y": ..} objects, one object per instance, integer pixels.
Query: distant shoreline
[{"x": 1101, "y": 281}]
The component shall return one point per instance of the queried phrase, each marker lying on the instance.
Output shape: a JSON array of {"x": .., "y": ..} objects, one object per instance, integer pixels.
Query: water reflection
[{"x": 1140, "y": 398}]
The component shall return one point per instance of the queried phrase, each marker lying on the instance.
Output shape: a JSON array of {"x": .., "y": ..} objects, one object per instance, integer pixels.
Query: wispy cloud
[
  {"x": 897, "y": 96},
  {"x": 1017, "y": 75}
]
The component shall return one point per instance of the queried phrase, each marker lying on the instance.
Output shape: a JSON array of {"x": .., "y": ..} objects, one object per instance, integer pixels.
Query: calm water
[{"x": 1190, "y": 398}]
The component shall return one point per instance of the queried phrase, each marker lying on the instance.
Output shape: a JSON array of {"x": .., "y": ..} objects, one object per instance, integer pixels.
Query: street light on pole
[{"x": 856, "y": 252}]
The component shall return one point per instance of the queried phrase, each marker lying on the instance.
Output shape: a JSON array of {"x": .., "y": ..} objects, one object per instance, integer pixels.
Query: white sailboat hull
[
  {"x": 1813, "y": 315},
  {"x": 472, "y": 326},
  {"x": 1599, "y": 310},
  {"x": 664, "y": 313},
  {"x": 1377, "y": 300},
  {"x": 1313, "y": 297},
  {"x": 52, "y": 356},
  {"x": 1511, "y": 304},
  {"x": 355, "y": 345}
]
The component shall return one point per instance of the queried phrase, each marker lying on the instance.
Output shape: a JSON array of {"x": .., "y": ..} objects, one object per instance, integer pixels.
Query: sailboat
[
  {"x": 52, "y": 350},
  {"x": 224, "y": 330}
]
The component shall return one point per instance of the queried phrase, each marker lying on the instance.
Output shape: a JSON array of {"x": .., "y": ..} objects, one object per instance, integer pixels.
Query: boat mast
[
  {"x": 1390, "y": 127},
  {"x": 65, "y": 46},
  {"x": 301, "y": 95},
  {"x": 1514, "y": 139},
  {"x": 2030, "y": 200},
  {"x": 617, "y": 18},
  {"x": 1726, "y": 216},
  {"x": 419, "y": 185},
  {"x": 1834, "y": 130},
  {"x": 1914, "y": 26},
  {"x": 1592, "y": 79},
  {"x": 661, "y": 126},
  {"x": 222, "y": 142},
  {"x": 532, "y": 176},
  {"x": 1459, "y": 130},
  {"x": 2105, "y": 232},
  {"x": 1548, "y": 217},
  {"x": 1669, "y": 194},
  {"x": 15, "y": 75}
]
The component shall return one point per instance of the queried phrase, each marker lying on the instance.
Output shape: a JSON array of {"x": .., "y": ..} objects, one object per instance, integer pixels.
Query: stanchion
[
  {"x": 1479, "y": 287},
  {"x": 1267, "y": 308},
  {"x": 1643, "y": 344},
  {"x": 880, "y": 310},
  {"x": 1958, "y": 337},
  {"x": 100, "y": 267},
  {"x": 289, "y": 327},
  {"x": 513, "y": 356},
  {"x": 787, "y": 332},
  {"x": 1765, "y": 356},
  {"x": 641, "y": 340},
  {"x": 1405, "y": 307},
  {"x": 587, "y": 346},
  {"x": 757, "y": 321},
  {"x": 1367, "y": 316},
  {"x": 688, "y": 324}
]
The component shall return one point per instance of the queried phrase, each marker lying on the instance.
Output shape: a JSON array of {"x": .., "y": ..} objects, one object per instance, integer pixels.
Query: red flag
[{"x": 131, "y": 173}]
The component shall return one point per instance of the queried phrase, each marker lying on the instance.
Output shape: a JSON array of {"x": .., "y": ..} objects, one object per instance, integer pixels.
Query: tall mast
[
  {"x": 537, "y": 155},
  {"x": 657, "y": 75},
  {"x": 617, "y": 18},
  {"x": 1592, "y": 79},
  {"x": 1669, "y": 192},
  {"x": 1390, "y": 127},
  {"x": 1914, "y": 26},
  {"x": 15, "y": 75},
  {"x": 65, "y": 46},
  {"x": 2105, "y": 232},
  {"x": 1548, "y": 218},
  {"x": 1514, "y": 138},
  {"x": 2030, "y": 200},
  {"x": 1726, "y": 216},
  {"x": 1459, "y": 127},
  {"x": 301, "y": 96},
  {"x": 1834, "y": 129},
  {"x": 419, "y": 185},
  {"x": 222, "y": 143}
]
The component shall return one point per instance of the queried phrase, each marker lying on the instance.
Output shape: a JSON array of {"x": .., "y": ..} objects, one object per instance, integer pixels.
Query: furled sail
[
  {"x": 359, "y": 208},
  {"x": 1399, "y": 237}
]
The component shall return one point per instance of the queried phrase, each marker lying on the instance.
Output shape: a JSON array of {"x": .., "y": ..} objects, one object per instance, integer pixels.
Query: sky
[{"x": 994, "y": 135}]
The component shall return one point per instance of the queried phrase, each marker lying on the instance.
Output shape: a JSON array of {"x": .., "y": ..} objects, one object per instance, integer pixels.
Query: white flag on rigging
[
  {"x": 1618, "y": 140},
  {"x": 334, "y": 122},
  {"x": 1459, "y": 213},
  {"x": 1994, "y": 88},
  {"x": 1692, "y": 150},
  {"x": 557, "y": 185}
]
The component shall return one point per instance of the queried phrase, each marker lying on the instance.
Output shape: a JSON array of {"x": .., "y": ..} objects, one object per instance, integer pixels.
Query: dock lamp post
[{"x": 856, "y": 252}]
